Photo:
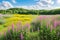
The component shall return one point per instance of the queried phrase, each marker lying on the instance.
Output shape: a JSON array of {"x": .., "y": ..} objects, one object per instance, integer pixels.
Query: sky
[{"x": 30, "y": 4}]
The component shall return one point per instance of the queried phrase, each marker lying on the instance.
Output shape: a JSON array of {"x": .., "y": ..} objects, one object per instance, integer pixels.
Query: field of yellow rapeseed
[
  {"x": 23, "y": 18},
  {"x": 17, "y": 17}
]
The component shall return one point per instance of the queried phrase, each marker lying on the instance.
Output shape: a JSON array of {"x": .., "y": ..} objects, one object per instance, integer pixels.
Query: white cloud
[
  {"x": 25, "y": 7},
  {"x": 48, "y": 1},
  {"x": 58, "y": 1},
  {"x": 40, "y": 4},
  {"x": 5, "y": 5},
  {"x": 1, "y": 7},
  {"x": 14, "y": 1},
  {"x": 45, "y": 3}
]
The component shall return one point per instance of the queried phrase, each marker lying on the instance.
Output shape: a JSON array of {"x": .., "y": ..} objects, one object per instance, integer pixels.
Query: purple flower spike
[
  {"x": 18, "y": 25},
  {"x": 28, "y": 25},
  {"x": 21, "y": 36},
  {"x": 13, "y": 27},
  {"x": 55, "y": 24},
  {"x": 40, "y": 17}
]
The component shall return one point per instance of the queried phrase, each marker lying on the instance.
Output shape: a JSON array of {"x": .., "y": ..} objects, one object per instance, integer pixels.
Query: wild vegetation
[
  {"x": 7, "y": 20},
  {"x": 23, "y": 24},
  {"x": 33, "y": 12},
  {"x": 43, "y": 28}
]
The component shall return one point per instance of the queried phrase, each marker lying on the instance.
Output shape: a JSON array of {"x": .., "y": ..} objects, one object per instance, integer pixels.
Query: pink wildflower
[
  {"x": 55, "y": 24},
  {"x": 40, "y": 18},
  {"x": 28, "y": 25},
  {"x": 18, "y": 25},
  {"x": 21, "y": 36},
  {"x": 13, "y": 27}
]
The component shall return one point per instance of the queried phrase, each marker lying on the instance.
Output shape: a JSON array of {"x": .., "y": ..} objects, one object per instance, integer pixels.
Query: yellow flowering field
[
  {"x": 23, "y": 18},
  {"x": 17, "y": 17}
]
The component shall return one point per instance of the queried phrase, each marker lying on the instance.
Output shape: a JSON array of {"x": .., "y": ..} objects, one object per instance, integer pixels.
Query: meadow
[
  {"x": 7, "y": 20},
  {"x": 29, "y": 27}
]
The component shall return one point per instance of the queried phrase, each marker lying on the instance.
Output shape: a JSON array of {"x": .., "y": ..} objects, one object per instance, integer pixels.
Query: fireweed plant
[{"x": 41, "y": 29}]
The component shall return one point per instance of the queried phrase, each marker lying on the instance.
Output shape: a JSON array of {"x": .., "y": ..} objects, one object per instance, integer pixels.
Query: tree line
[{"x": 33, "y": 12}]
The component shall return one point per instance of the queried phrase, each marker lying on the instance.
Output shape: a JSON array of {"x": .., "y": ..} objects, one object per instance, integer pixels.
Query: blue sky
[{"x": 30, "y": 4}]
